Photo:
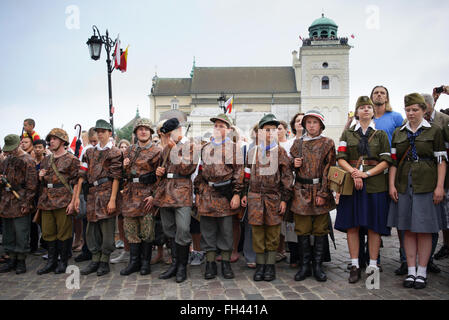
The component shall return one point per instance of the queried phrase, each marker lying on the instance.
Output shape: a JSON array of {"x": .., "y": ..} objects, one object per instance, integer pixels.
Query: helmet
[
  {"x": 143, "y": 122},
  {"x": 58, "y": 133}
]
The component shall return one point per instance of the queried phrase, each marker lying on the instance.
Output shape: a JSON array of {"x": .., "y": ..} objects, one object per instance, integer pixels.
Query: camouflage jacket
[
  {"x": 318, "y": 156},
  {"x": 134, "y": 193},
  {"x": 97, "y": 164},
  {"x": 22, "y": 175},
  {"x": 182, "y": 160},
  {"x": 269, "y": 177},
  {"x": 219, "y": 163},
  {"x": 57, "y": 198}
]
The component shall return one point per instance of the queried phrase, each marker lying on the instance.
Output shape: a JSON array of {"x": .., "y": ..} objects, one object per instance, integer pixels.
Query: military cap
[
  {"x": 143, "y": 122},
  {"x": 170, "y": 125},
  {"x": 268, "y": 119},
  {"x": 313, "y": 113},
  {"x": 363, "y": 101},
  {"x": 12, "y": 142},
  {"x": 58, "y": 133},
  {"x": 413, "y": 98},
  {"x": 222, "y": 117},
  {"x": 103, "y": 124}
]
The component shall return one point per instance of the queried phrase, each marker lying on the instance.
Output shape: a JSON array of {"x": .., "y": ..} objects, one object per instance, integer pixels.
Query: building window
[
  {"x": 174, "y": 104},
  {"x": 325, "y": 65},
  {"x": 324, "y": 34},
  {"x": 325, "y": 83}
]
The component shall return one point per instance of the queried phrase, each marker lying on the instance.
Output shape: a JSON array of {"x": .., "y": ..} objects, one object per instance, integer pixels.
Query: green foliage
[{"x": 125, "y": 133}]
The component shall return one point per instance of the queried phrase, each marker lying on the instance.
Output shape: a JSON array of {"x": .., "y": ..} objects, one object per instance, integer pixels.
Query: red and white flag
[
  {"x": 117, "y": 54},
  {"x": 76, "y": 141},
  {"x": 229, "y": 104}
]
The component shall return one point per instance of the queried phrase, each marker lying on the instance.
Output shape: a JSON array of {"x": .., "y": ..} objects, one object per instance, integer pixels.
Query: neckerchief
[
  {"x": 411, "y": 138},
  {"x": 220, "y": 143},
  {"x": 363, "y": 144}
]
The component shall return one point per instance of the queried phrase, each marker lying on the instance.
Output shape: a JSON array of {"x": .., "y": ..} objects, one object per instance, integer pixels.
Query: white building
[{"x": 318, "y": 79}]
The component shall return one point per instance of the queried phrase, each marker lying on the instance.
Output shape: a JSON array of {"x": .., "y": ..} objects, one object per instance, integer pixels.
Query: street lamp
[
  {"x": 95, "y": 43},
  {"x": 221, "y": 102}
]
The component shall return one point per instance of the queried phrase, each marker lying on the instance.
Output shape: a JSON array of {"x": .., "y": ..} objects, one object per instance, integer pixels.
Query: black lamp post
[
  {"x": 95, "y": 42},
  {"x": 221, "y": 102}
]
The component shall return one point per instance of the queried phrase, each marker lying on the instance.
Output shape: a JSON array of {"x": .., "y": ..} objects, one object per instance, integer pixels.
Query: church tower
[{"x": 324, "y": 66}]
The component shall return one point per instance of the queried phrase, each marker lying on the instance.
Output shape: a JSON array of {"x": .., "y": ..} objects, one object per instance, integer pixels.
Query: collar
[
  {"x": 146, "y": 147},
  {"x": 220, "y": 143},
  {"x": 109, "y": 145},
  {"x": 371, "y": 125},
  {"x": 423, "y": 123},
  {"x": 271, "y": 146},
  {"x": 305, "y": 137},
  {"x": 183, "y": 140},
  {"x": 432, "y": 116}
]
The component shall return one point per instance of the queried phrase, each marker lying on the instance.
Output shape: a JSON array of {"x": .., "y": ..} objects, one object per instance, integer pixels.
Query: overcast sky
[{"x": 47, "y": 74}]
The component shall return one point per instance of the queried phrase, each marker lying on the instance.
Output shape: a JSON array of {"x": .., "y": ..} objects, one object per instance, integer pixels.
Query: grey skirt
[{"x": 415, "y": 212}]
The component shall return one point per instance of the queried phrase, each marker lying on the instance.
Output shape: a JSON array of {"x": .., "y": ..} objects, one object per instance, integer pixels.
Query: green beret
[
  {"x": 103, "y": 124},
  {"x": 222, "y": 117},
  {"x": 363, "y": 101},
  {"x": 12, "y": 142},
  {"x": 268, "y": 119},
  {"x": 413, "y": 98}
]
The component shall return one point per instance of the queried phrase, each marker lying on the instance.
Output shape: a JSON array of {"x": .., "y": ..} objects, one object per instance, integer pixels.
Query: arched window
[
  {"x": 174, "y": 103},
  {"x": 324, "y": 34},
  {"x": 315, "y": 34},
  {"x": 325, "y": 83}
]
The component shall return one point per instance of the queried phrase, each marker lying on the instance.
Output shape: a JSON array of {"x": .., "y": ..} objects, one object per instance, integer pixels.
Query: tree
[{"x": 125, "y": 133}]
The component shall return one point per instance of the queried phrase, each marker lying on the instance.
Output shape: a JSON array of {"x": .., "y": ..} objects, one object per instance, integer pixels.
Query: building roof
[
  {"x": 230, "y": 80},
  {"x": 243, "y": 80},
  {"x": 323, "y": 21}
]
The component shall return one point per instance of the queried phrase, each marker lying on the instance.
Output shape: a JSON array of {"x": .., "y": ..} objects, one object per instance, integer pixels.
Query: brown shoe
[{"x": 354, "y": 274}]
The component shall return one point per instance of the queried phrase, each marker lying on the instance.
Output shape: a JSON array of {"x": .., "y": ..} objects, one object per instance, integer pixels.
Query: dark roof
[
  {"x": 243, "y": 80},
  {"x": 172, "y": 86}
]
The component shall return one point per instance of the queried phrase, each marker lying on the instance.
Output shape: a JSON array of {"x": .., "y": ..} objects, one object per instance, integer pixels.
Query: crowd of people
[{"x": 208, "y": 199}]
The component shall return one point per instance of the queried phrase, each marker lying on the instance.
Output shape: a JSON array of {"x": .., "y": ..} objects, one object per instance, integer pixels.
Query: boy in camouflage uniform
[
  {"x": 101, "y": 167},
  {"x": 269, "y": 177},
  {"x": 57, "y": 200},
  {"x": 221, "y": 167},
  {"x": 18, "y": 187},
  {"x": 140, "y": 163}
]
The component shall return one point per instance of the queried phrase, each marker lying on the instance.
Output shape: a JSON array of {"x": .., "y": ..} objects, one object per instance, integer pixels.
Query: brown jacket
[
  {"x": 318, "y": 156},
  {"x": 22, "y": 175},
  {"x": 270, "y": 180},
  {"x": 57, "y": 198},
  {"x": 134, "y": 193},
  {"x": 182, "y": 160},
  {"x": 218, "y": 164},
  {"x": 101, "y": 164}
]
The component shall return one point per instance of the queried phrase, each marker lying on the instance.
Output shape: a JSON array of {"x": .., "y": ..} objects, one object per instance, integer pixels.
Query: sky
[{"x": 47, "y": 74}]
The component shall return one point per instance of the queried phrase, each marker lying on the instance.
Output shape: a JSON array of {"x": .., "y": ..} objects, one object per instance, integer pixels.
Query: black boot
[
  {"x": 103, "y": 269},
  {"x": 304, "y": 270},
  {"x": 258, "y": 274},
  {"x": 64, "y": 250},
  {"x": 134, "y": 260},
  {"x": 9, "y": 265},
  {"x": 171, "y": 272},
  {"x": 226, "y": 270},
  {"x": 147, "y": 251},
  {"x": 211, "y": 270},
  {"x": 270, "y": 272},
  {"x": 318, "y": 252},
  {"x": 90, "y": 268},
  {"x": 52, "y": 261},
  {"x": 183, "y": 257},
  {"x": 21, "y": 267}
]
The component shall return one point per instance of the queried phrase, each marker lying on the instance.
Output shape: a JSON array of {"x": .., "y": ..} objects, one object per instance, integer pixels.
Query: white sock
[
  {"x": 421, "y": 272},
  {"x": 412, "y": 271},
  {"x": 373, "y": 264},
  {"x": 355, "y": 262}
]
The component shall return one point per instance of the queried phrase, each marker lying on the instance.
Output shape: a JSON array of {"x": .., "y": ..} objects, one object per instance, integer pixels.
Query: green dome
[
  {"x": 323, "y": 21},
  {"x": 323, "y": 28}
]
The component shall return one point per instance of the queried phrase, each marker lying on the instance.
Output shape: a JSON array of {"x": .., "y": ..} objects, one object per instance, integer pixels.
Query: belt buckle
[
  {"x": 170, "y": 175},
  {"x": 316, "y": 180},
  {"x": 50, "y": 186},
  {"x": 136, "y": 180},
  {"x": 95, "y": 183}
]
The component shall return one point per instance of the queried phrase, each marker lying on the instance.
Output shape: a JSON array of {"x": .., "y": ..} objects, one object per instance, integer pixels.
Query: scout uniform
[
  {"x": 56, "y": 195},
  {"x": 221, "y": 167},
  {"x": 99, "y": 167},
  {"x": 311, "y": 181},
  {"x": 20, "y": 172},
  {"x": 367, "y": 208},
  {"x": 174, "y": 197},
  {"x": 268, "y": 181},
  {"x": 140, "y": 177}
]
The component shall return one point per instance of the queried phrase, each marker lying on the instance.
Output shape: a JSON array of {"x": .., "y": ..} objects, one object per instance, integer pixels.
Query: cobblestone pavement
[{"x": 30, "y": 286}]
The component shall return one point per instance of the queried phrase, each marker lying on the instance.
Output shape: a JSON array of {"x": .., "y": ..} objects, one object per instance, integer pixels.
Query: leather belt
[
  {"x": 309, "y": 181},
  {"x": 54, "y": 185},
  {"x": 364, "y": 162},
  {"x": 408, "y": 159},
  {"x": 99, "y": 182},
  {"x": 219, "y": 184},
  {"x": 176, "y": 176}
]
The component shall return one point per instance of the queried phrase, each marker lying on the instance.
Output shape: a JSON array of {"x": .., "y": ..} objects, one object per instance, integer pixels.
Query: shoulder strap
[
  {"x": 58, "y": 174},
  {"x": 301, "y": 140},
  {"x": 135, "y": 156}
]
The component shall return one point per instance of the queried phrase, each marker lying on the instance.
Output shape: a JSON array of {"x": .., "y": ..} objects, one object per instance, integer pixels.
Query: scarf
[
  {"x": 363, "y": 147},
  {"x": 411, "y": 138}
]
